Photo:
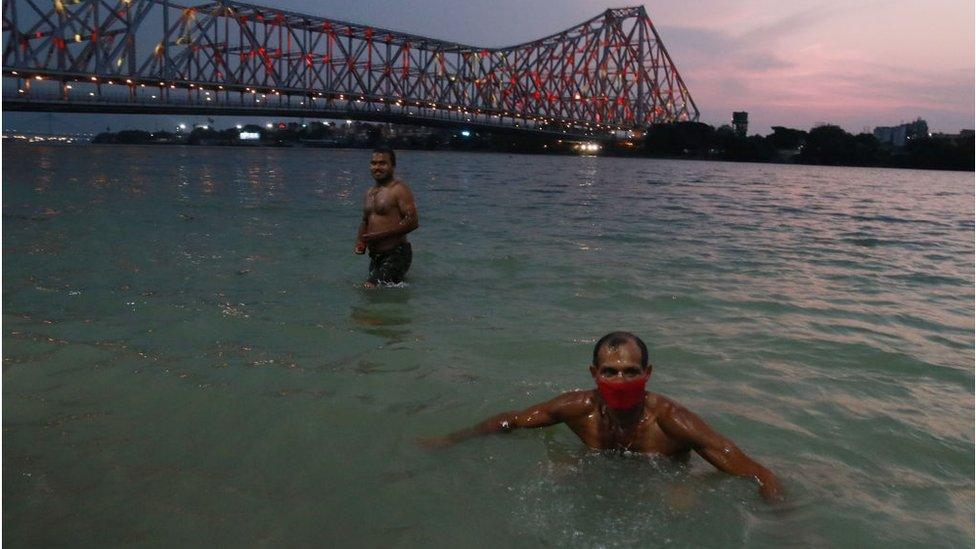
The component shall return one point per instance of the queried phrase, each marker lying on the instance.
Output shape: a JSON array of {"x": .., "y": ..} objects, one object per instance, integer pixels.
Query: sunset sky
[
  {"x": 858, "y": 64},
  {"x": 854, "y": 63}
]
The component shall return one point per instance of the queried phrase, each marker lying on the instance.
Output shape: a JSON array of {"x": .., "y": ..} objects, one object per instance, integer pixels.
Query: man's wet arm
[
  {"x": 540, "y": 415},
  {"x": 409, "y": 219},
  {"x": 716, "y": 449}
]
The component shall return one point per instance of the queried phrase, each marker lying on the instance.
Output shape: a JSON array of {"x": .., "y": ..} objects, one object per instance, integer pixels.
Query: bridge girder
[{"x": 609, "y": 74}]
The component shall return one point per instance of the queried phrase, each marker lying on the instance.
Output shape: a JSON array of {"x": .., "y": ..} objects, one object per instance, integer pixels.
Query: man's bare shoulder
[
  {"x": 664, "y": 407},
  {"x": 400, "y": 186},
  {"x": 671, "y": 415},
  {"x": 397, "y": 185},
  {"x": 574, "y": 403}
]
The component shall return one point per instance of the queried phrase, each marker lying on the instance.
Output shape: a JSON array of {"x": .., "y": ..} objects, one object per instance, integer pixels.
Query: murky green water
[{"x": 188, "y": 359}]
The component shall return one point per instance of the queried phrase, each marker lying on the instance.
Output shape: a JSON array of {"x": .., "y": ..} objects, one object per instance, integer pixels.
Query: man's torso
[{"x": 383, "y": 213}]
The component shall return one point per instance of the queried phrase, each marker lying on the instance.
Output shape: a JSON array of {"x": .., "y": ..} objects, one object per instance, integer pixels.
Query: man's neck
[
  {"x": 626, "y": 417},
  {"x": 386, "y": 182}
]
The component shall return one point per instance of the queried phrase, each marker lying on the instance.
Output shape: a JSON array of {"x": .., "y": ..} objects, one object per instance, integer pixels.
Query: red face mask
[{"x": 622, "y": 395}]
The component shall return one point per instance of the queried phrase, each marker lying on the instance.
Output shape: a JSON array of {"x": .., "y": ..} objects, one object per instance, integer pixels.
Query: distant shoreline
[
  {"x": 821, "y": 146},
  {"x": 10, "y": 142}
]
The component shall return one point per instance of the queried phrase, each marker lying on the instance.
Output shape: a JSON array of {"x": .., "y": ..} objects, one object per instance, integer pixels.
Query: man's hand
[
  {"x": 360, "y": 248},
  {"x": 770, "y": 488}
]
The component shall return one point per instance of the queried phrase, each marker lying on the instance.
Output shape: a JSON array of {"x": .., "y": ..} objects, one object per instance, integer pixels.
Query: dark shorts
[{"x": 389, "y": 267}]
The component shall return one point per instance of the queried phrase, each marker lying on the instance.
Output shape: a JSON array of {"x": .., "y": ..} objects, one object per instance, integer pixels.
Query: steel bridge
[{"x": 607, "y": 75}]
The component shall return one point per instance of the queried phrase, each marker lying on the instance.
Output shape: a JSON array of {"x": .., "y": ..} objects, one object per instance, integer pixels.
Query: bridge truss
[{"x": 609, "y": 74}]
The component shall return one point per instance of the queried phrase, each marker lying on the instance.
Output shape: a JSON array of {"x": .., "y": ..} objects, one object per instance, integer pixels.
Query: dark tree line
[{"x": 827, "y": 145}]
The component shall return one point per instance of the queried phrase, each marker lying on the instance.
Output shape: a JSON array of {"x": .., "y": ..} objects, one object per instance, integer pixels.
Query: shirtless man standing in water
[
  {"x": 389, "y": 213},
  {"x": 620, "y": 415}
]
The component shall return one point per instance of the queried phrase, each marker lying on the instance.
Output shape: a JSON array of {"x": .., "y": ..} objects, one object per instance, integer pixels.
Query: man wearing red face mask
[{"x": 620, "y": 415}]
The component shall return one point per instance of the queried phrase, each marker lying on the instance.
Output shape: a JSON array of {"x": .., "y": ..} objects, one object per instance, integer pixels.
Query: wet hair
[
  {"x": 616, "y": 339},
  {"x": 383, "y": 149}
]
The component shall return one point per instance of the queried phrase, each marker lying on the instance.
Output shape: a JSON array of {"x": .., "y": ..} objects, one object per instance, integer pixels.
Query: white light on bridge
[
  {"x": 268, "y": 125},
  {"x": 239, "y": 126}
]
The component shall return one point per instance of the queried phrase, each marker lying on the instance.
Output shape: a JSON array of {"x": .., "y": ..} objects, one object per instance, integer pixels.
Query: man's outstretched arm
[
  {"x": 721, "y": 452},
  {"x": 545, "y": 414}
]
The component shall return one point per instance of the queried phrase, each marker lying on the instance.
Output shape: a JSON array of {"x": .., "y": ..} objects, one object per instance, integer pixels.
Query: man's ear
[{"x": 593, "y": 371}]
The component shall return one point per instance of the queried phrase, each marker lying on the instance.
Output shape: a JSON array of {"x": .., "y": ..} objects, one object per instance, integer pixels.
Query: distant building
[
  {"x": 740, "y": 122},
  {"x": 898, "y": 136}
]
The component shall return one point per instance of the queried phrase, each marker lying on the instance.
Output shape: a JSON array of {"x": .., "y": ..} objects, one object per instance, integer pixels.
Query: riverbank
[{"x": 822, "y": 145}]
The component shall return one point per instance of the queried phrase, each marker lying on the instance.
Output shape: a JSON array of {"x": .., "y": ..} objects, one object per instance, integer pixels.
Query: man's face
[
  {"x": 622, "y": 362},
  {"x": 380, "y": 167}
]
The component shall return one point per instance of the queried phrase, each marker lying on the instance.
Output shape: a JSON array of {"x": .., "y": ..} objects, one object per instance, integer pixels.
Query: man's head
[
  {"x": 382, "y": 164},
  {"x": 619, "y": 355},
  {"x": 620, "y": 370}
]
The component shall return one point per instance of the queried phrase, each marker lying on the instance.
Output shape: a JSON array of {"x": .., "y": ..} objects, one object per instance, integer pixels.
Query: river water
[{"x": 188, "y": 358}]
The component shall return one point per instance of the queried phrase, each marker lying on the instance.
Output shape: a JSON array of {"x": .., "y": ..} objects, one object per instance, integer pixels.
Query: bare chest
[
  {"x": 380, "y": 201},
  {"x": 646, "y": 437}
]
